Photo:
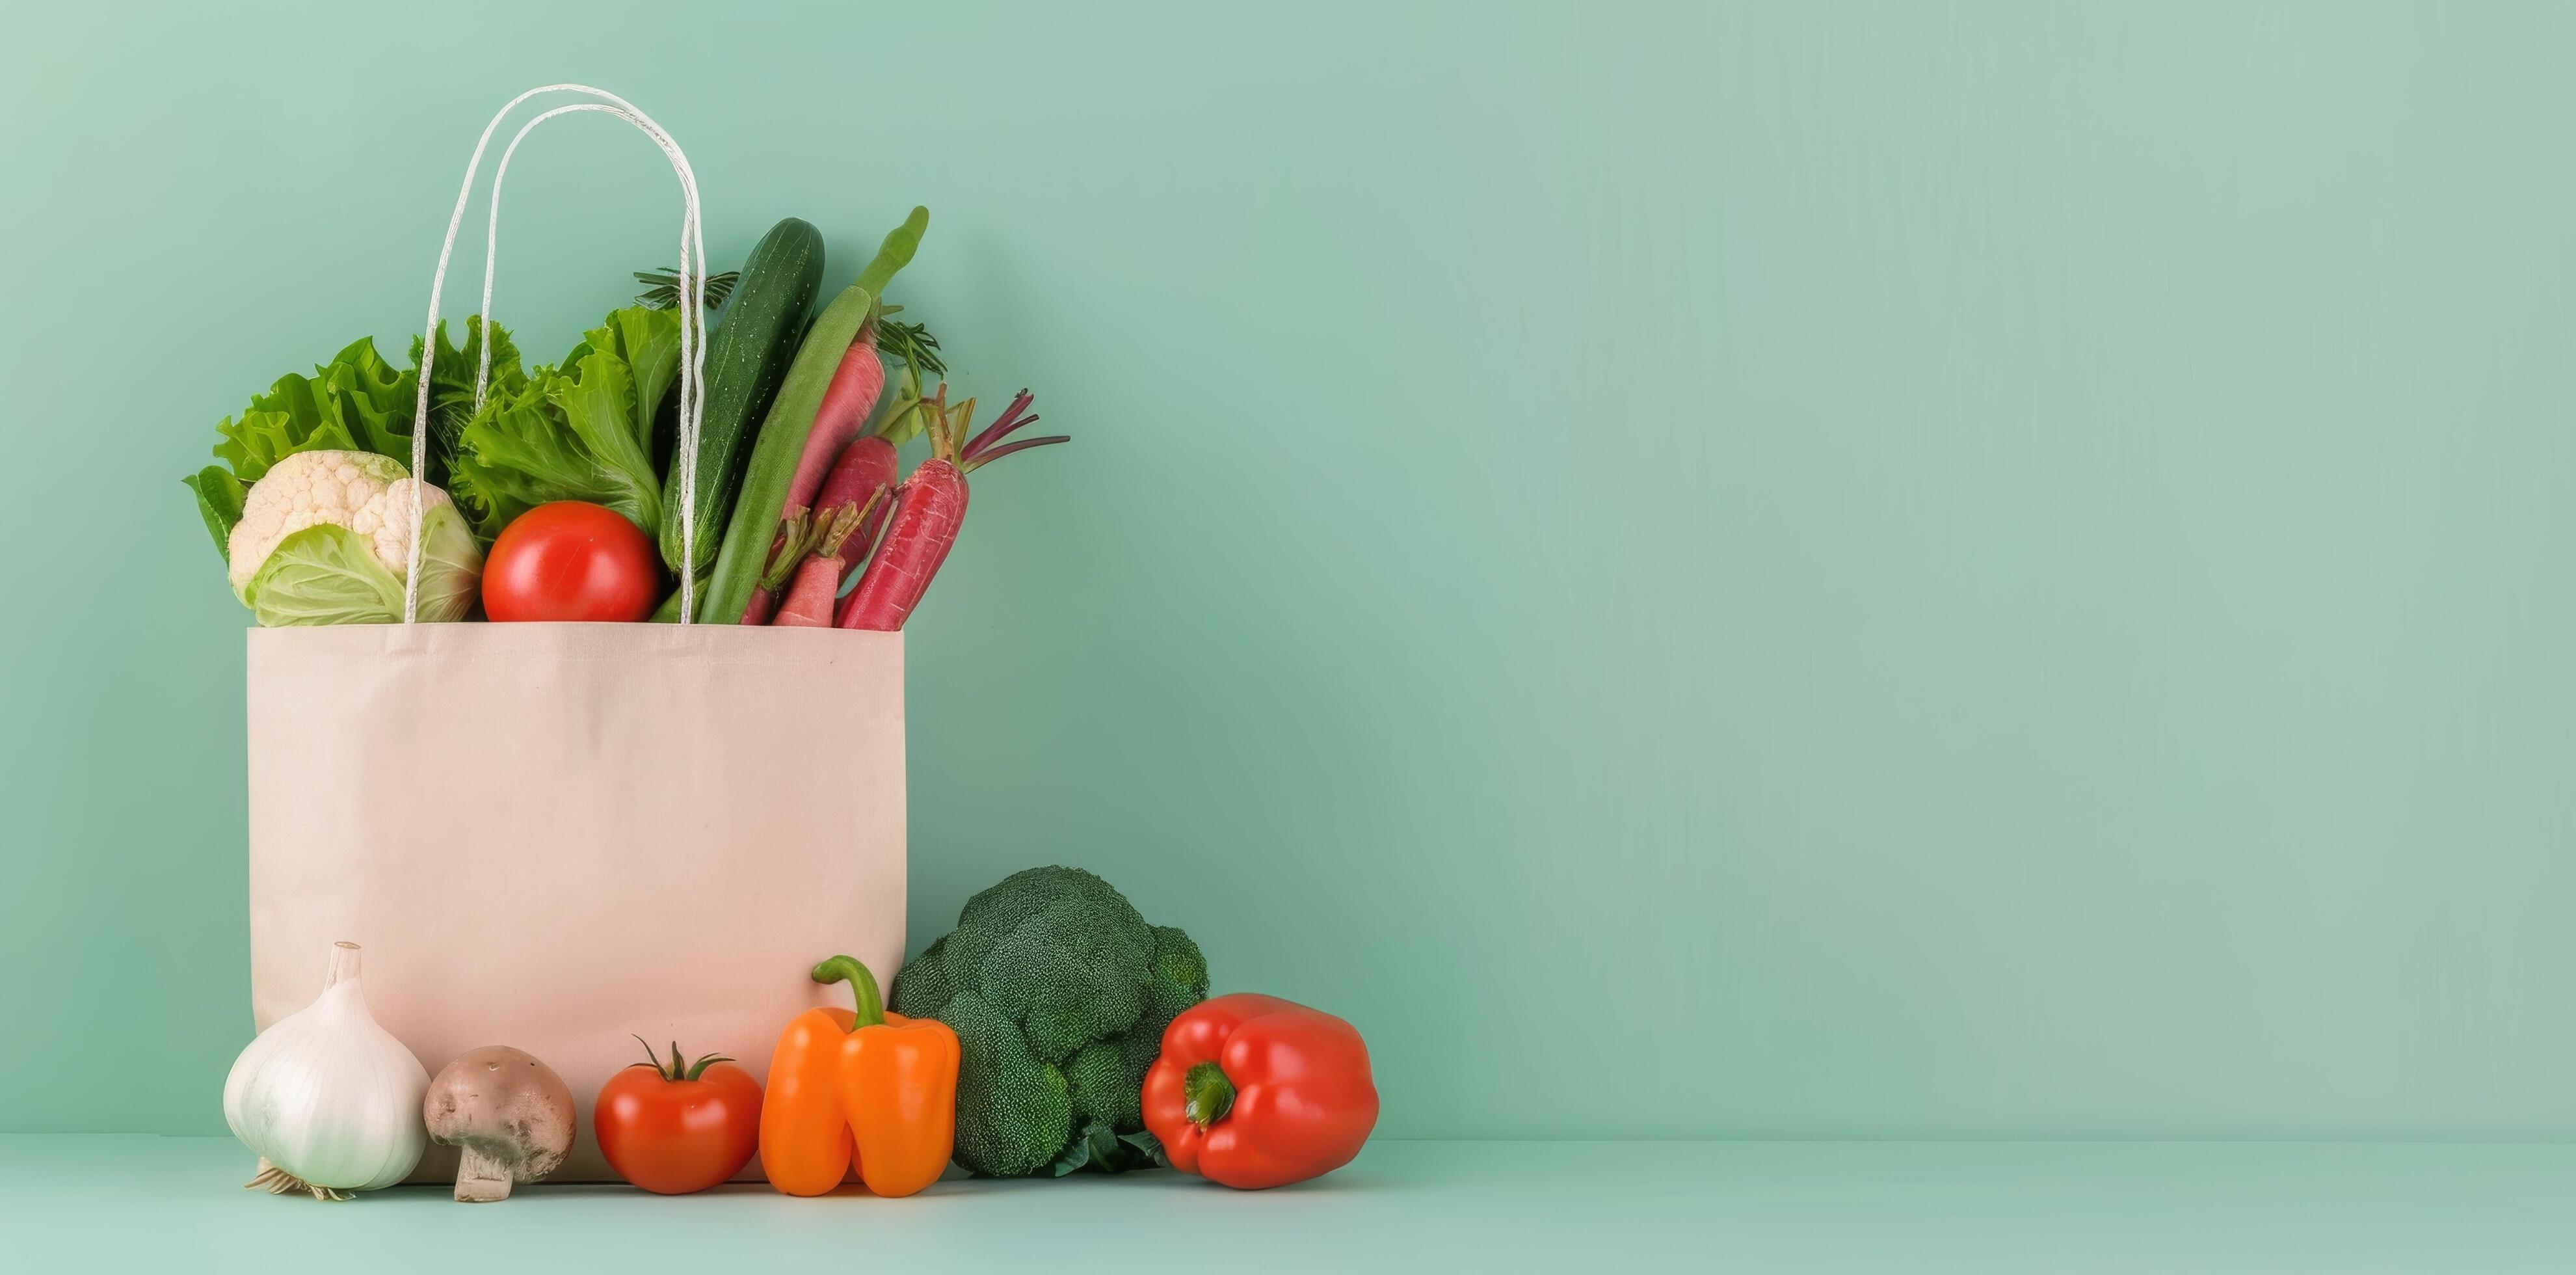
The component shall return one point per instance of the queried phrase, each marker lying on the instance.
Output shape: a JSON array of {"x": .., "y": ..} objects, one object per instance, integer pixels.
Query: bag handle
[{"x": 691, "y": 300}]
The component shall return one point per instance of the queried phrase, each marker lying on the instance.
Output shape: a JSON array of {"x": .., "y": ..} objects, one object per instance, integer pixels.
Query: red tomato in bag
[
  {"x": 572, "y": 560},
  {"x": 672, "y": 1128}
]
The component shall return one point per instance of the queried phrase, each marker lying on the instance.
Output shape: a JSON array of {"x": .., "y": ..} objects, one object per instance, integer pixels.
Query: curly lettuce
[
  {"x": 356, "y": 402},
  {"x": 451, "y": 387},
  {"x": 581, "y": 430}
]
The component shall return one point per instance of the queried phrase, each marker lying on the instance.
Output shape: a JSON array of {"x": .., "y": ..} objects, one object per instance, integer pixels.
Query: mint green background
[{"x": 1797, "y": 569}]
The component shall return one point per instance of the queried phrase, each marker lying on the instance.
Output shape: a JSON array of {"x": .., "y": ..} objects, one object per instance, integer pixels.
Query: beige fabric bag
[{"x": 553, "y": 835}]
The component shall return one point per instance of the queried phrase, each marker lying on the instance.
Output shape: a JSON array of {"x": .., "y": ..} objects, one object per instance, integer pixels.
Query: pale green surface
[
  {"x": 1899, "y": 569},
  {"x": 90, "y": 1202}
]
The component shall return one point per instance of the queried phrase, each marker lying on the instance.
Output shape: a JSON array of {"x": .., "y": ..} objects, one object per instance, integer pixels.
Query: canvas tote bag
[{"x": 550, "y": 836}]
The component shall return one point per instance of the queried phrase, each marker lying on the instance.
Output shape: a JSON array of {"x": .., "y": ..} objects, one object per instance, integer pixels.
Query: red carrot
[
  {"x": 809, "y": 600},
  {"x": 853, "y": 394},
  {"x": 929, "y": 510},
  {"x": 866, "y": 466},
  {"x": 857, "y": 383}
]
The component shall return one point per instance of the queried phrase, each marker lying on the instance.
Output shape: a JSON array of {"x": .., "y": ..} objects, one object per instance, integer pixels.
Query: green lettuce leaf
[
  {"x": 451, "y": 386},
  {"x": 581, "y": 431},
  {"x": 359, "y": 402},
  {"x": 219, "y": 502},
  {"x": 372, "y": 400},
  {"x": 286, "y": 420},
  {"x": 325, "y": 574},
  {"x": 356, "y": 402}
]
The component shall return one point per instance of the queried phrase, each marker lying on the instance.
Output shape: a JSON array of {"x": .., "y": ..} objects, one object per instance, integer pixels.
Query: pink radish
[
  {"x": 867, "y": 465},
  {"x": 929, "y": 510},
  {"x": 794, "y": 540},
  {"x": 856, "y": 385},
  {"x": 809, "y": 599}
]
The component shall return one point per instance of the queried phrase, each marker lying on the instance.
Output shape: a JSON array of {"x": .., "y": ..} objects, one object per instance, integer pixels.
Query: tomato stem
[{"x": 676, "y": 1069}]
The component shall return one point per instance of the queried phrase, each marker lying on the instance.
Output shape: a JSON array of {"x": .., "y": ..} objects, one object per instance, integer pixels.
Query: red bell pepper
[{"x": 1254, "y": 1091}]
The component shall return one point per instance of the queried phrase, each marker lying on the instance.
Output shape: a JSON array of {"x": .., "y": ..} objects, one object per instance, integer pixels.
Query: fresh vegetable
[
  {"x": 1254, "y": 1091},
  {"x": 219, "y": 502},
  {"x": 795, "y": 540},
  {"x": 869, "y": 462},
  {"x": 324, "y": 537},
  {"x": 861, "y": 1086},
  {"x": 328, "y": 1100},
  {"x": 451, "y": 388},
  {"x": 817, "y": 581},
  {"x": 930, "y": 509},
  {"x": 747, "y": 357},
  {"x": 662, "y": 288},
  {"x": 858, "y": 480},
  {"x": 866, "y": 467},
  {"x": 681, "y": 1127},
  {"x": 571, "y": 560},
  {"x": 511, "y": 1114},
  {"x": 856, "y": 385},
  {"x": 757, "y": 511},
  {"x": 1059, "y": 992},
  {"x": 353, "y": 403},
  {"x": 581, "y": 430},
  {"x": 356, "y": 402},
  {"x": 669, "y": 610},
  {"x": 912, "y": 345}
]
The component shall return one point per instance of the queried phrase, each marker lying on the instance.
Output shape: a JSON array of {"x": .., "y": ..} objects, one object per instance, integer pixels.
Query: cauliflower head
[
  {"x": 347, "y": 489},
  {"x": 351, "y": 569}
]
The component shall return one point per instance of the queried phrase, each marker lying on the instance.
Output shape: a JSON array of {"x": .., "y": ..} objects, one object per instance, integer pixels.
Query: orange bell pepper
[{"x": 876, "y": 1088}]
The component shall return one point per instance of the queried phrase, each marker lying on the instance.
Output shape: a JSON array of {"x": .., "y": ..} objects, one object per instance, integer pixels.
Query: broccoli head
[{"x": 1059, "y": 993}]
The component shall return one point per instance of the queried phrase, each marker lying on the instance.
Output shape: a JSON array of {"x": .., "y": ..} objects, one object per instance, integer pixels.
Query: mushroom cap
[{"x": 506, "y": 1104}]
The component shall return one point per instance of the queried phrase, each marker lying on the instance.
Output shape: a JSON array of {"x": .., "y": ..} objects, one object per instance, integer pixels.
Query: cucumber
[
  {"x": 747, "y": 357},
  {"x": 754, "y": 524}
]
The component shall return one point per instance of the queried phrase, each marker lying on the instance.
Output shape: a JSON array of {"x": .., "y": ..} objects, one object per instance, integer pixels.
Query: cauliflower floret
[
  {"x": 391, "y": 534},
  {"x": 364, "y": 492}
]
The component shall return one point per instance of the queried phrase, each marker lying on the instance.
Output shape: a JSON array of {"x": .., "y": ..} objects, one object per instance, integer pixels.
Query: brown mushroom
[{"x": 511, "y": 1114}]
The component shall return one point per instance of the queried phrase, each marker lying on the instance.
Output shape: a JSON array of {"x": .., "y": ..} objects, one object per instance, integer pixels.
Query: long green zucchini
[
  {"x": 747, "y": 358},
  {"x": 791, "y": 417}
]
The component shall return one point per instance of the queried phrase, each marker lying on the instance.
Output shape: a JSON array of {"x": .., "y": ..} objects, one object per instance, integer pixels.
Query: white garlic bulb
[{"x": 329, "y": 1100}]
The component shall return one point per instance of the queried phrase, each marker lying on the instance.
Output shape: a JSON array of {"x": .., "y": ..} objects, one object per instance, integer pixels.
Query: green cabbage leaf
[
  {"x": 328, "y": 574},
  {"x": 581, "y": 430}
]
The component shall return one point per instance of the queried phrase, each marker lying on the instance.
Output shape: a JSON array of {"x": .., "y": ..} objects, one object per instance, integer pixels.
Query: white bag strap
[{"x": 691, "y": 301}]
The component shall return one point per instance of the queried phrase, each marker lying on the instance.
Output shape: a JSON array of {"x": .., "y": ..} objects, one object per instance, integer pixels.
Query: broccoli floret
[{"x": 1059, "y": 993}]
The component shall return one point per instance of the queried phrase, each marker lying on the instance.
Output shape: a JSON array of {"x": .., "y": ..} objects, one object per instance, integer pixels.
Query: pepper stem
[
  {"x": 863, "y": 985},
  {"x": 1206, "y": 1094}
]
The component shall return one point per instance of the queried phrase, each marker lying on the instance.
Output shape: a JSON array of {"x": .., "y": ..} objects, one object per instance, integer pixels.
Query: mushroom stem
[{"x": 481, "y": 1178}]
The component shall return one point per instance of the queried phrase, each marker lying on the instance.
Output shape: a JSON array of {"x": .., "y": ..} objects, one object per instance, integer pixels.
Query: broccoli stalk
[{"x": 1059, "y": 992}]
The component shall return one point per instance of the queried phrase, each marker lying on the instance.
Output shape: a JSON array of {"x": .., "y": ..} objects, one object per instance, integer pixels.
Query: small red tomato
[
  {"x": 571, "y": 560},
  {"x": 672, "y": 1129}
]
